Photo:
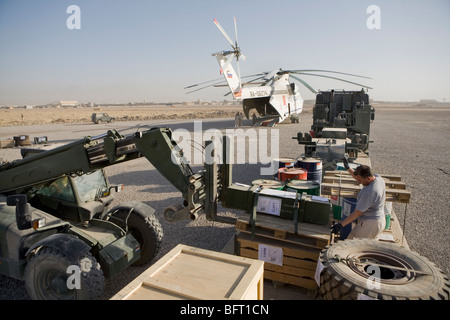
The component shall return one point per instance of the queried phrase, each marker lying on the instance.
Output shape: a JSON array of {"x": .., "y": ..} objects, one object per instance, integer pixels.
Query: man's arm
[
  {"x": 352, "y": 173},
  {"x": 352, "y": 217},
  {"x": 347, "y": 167}
]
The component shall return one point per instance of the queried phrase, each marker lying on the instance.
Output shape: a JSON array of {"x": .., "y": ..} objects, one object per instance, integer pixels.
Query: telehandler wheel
[
  {"x": 144, "y": 227},
  {"x": 379, "y": 270},
  {"x": 51, "y": 275}
]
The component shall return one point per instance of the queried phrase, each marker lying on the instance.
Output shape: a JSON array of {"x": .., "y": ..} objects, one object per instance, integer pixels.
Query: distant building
[
  {"x": 428, "y": 101},
  {"x": 68, "y": 103}
]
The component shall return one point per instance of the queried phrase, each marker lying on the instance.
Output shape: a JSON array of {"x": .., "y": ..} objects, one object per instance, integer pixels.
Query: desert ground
[
  {"x": 409, "y": 140},
  {"x": 22, "y": 116}
]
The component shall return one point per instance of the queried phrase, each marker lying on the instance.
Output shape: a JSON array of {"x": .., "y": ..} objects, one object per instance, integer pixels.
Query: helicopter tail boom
[{"x": 227, "y": 71}]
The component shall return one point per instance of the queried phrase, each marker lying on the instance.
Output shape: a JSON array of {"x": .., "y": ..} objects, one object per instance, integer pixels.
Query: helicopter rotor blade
[
  {"x": 329, "y": 71},
  {"x": 253, "y": 75},
  {"x": 304, "y": 83},
  {"x": 219, "y": 82},
  {"x": 235, "y": 32},
  {"x": 224, "y": 34},
  {"x": 250, "y": 81},
  {"x": 204, "y": 87},
  {"x": 334, "y": 78},
  {"x": 239, "y": 55},
  {"x": 202, "y": 83}
]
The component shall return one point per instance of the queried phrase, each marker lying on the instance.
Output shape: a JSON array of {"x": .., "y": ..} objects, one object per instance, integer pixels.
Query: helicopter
[{"x": 271, "y": 94}]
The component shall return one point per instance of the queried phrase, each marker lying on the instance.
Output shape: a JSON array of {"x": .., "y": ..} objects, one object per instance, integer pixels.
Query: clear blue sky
[{"x": 128, "y": 51}]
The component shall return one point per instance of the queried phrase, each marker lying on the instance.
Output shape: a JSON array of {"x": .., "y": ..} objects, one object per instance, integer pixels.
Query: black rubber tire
[
  {"x": 343, "y": 279},
  {"x": 146, "y": 229},
  {"x": 47, "y": 273}
]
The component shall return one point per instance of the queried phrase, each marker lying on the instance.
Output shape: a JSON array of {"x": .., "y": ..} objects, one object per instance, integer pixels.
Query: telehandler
[{"x": 55, "y": 215}]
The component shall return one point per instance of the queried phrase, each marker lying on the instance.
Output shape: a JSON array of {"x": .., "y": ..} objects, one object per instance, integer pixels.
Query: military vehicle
[
  {"x": 344, "y": 109},
  {"x": 341, "y": 126},
  {"x": 56, "y": 219},
  {"x": 100, "y": 117}
]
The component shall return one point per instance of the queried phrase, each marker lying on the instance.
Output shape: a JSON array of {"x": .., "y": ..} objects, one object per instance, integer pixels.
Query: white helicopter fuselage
[
  {"x": 277, "y": 98},
  {"x": 284, "y": 97}
]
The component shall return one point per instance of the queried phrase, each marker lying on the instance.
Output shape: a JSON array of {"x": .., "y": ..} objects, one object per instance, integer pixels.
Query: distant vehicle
[{"x": 100, "y": 117}]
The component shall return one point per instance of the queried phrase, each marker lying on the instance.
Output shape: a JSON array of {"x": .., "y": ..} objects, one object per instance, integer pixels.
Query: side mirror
[
  {"x": 117, "y": 188},
  {"x": 23, "y": 210}
]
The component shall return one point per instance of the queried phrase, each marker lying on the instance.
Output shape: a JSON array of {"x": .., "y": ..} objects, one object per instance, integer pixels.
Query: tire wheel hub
[{"x": 360, "y": 262}]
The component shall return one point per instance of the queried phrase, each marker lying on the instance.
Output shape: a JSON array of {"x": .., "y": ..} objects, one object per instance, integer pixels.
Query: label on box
[
  {"x": 269, "y": 205},
  {"x": 270, "y": 254},
  {"x": 320, "y": 199}
]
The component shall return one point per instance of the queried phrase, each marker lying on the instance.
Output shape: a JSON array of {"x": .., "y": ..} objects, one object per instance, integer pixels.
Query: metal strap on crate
[
  {"x": 252, "y": 220},
  {"x": 296, "y": 210}
]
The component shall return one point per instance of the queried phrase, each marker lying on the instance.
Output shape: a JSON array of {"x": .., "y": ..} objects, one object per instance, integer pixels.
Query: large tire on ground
[
  {"x": 50, "y": 275},
  {"x": 348, "y": 274},
  {"x": 143, "y": 226}
]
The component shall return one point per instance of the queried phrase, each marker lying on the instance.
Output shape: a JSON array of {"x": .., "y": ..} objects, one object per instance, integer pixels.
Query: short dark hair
[{"x": 363, "y": 171}]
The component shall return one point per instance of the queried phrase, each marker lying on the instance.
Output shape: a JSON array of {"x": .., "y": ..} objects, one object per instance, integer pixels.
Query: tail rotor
[{"x": 236, "y": 53}]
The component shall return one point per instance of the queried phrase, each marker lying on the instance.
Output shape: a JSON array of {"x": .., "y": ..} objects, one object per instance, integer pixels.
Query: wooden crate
[
  {"x": 192, "y": 273},
  {"x": 300, "y": 251},
  {"x": 298, "y": 263}
]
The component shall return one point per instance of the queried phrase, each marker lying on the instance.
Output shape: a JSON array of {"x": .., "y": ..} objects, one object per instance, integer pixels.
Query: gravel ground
[
  {"x": 415, "y": 143},
  {"x": 408, "y": 141}
]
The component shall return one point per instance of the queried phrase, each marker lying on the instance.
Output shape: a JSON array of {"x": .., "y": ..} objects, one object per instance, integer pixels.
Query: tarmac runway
[{"x": 410, "y": 141}]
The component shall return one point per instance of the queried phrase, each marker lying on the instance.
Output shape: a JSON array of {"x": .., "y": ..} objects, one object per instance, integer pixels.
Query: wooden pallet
[
  {"x": 308, "y": 234},
  {"x": 298, "y": 262},
  {"x": 341, "y": 183},
  {"x": 393, "y": 184},
  {"x": 343, "y": 173}
]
